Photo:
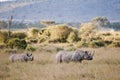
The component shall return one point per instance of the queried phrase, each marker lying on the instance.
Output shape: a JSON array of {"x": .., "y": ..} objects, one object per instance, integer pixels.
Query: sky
[
  {"x": 5, "y": 0},
  {"x": 60, "y": 10}
]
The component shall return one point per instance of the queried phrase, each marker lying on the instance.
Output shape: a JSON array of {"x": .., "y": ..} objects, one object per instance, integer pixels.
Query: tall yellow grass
[{"x": 105, "y": 66}]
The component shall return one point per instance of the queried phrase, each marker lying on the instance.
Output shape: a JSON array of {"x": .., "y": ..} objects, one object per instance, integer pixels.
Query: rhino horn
[
  {"x": 93, "y": 53},
  {"x": 89, "y": 52}
]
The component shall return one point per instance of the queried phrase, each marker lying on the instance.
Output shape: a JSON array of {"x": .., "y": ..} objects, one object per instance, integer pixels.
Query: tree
[
  {"x": 9, "y": 25},
  {"x": 101, "y": 21}
]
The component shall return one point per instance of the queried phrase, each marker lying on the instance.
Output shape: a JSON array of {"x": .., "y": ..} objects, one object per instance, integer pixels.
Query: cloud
[{"x": 5, "y": 0}]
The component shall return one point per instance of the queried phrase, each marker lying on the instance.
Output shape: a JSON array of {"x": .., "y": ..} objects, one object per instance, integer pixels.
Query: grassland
[{"x": 105, "y": 66}]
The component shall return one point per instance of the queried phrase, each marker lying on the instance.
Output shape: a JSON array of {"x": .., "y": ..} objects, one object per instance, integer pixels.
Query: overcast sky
[
  {"x": 60, "y": 10},
  {"x": 5, "y": 0}
]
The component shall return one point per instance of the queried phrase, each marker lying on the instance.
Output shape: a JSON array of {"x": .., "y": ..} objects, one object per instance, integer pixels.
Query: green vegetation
[
  {"x": 89, "y": 35},
  {"x": 3, "y": 36},
  {"x": 30, "y": 48},
  {"x": 46, "y": 42},
  {"x": 34, "y": 32},
  {"x": 17, "y": 43},
  {"x": 20, "y": 35},
  {"x": 101, "y": 21},
  {"x": 57, "y": 33}
]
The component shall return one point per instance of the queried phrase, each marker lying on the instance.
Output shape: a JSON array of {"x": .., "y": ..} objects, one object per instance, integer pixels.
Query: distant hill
[{"x": 60, "y": 10}]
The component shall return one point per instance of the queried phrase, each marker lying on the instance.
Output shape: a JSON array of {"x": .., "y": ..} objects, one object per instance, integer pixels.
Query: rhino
[
  {"x": 75, "y": 56},
  {"x": 24, "y": 57}
]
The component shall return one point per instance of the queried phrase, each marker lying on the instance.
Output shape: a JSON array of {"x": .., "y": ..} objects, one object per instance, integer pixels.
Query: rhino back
[{"x": 16, "y": 57}]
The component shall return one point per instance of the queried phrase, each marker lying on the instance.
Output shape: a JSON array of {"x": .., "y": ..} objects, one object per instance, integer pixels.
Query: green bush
[
  {"x": 57, "y": 33},
  {"x": 30, "y": 48},
  {"x": 10, "y": 50},
  {"x": 43, "y": 38},
  {"x": 92, "y": 44},
  {"x": 44, "y": 32},
  {"x": 99, "y": 43},
  {"x": 20, "y": 35},
  {"x": 2, "y": 46},
  {"x": 87, "y": 28},
  {"x": 81, "y": 44},
  {"x": 114, "y": 44},
  {"x": 3, "y": 36},
  {"x": 34, "y": 32},
  {"x": 33, "y": 40},
  {"x": 17, "y": 43},
  {"x": 73, "y": 37},
  {"x": 30, "y": 40},
  {"x": 108, "y": 42}
]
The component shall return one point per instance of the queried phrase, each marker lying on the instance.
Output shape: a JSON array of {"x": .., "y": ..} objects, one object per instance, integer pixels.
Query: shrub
[
  {"x": 99, "y": 43},
  {"x": 43, "y": 38},
  {"x": 17, "y": 43},
  {"x": 20, "y": 35},
  {"x": 30, "y": 40},
  {"x": 59, "y": 33},
  {"x": 87, "y": 28},
  {"x": 2, "y": 46},
  {"x": 33, "y": 40},
  {"x": 108, "y": 42},
  {"x": 44, "y": 32},
  {"x": 81, "y": 44},
  {"x": 87, "y": 31},
  {"x": 34, "y": 32},
  {"x": 107, "y": 34},
  {"x": 114, "y": 44},
  {"x": 30, "y": 48},
  {"x": 101, "y": 21},
  {"x": 93, "y": 38},
  {"x": 10, "y": 50},
  {"x": 73, "y": 37},
  {"x": 92, "y": 44},
  {"x": 3, "y": 36}
]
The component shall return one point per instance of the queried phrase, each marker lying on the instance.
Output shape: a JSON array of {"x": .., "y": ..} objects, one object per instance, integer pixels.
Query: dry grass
[{"x": 105, "y": 66}]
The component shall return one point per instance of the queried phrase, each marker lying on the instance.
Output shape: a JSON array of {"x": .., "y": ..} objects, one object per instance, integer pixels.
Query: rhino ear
[
  {"x": 27, "y": 54},
  {"x": 30, "y": 54},
  {"x": 86, "y": 51}
]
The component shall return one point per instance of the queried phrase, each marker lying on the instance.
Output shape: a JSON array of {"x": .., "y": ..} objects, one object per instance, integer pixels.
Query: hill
[{"x": 60, "y": 10}]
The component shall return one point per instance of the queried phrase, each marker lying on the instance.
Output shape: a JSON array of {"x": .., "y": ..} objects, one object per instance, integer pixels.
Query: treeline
[
  {"x": 89, "y": 35},
  {"x": 77, "y": 38},
  {"x": 20, "y": 25},
  {"x": 101, "y": 21}
]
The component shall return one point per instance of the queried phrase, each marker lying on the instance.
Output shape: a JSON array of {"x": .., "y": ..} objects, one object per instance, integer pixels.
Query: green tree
[{"x": 101, "y": 21}]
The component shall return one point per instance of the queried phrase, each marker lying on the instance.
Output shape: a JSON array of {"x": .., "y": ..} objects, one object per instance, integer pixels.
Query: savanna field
[
  {"x": 59, "y": 39},
  {"x": 104, "y": 66},
  {"x": 44, "y": 43}
]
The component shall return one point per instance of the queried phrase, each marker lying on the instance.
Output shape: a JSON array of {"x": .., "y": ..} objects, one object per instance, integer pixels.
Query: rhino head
[
  {"x": 88, "y": 55},
  {"x": 29, "y": 57}
]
